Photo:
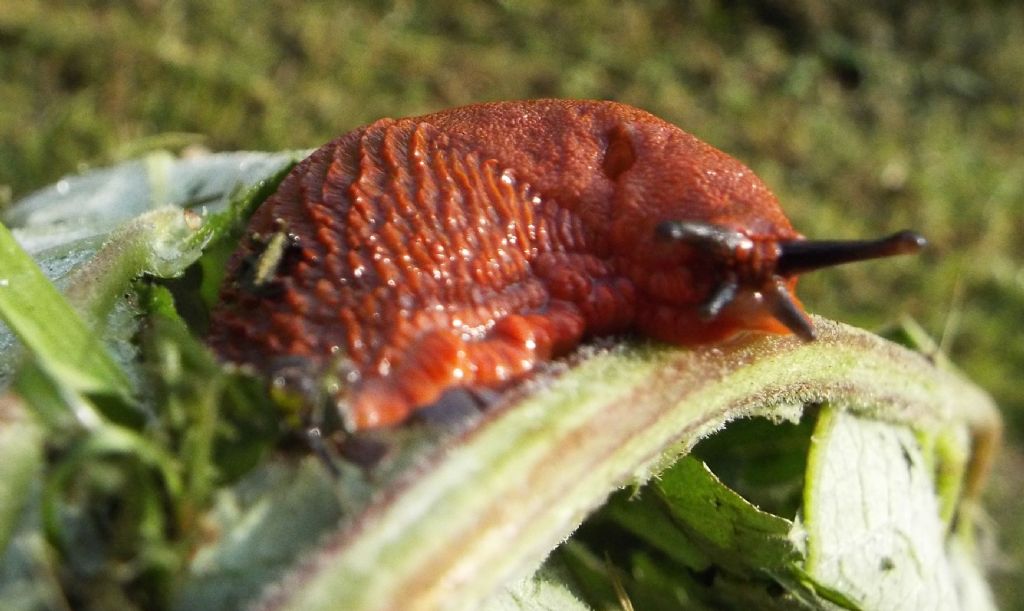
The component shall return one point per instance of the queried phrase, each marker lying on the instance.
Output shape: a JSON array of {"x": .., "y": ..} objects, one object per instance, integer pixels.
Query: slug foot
[{"x": 444, "y": 359}]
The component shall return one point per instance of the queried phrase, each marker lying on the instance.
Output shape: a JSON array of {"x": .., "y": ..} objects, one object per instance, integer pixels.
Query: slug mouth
[{"x": 760, "y": 272}]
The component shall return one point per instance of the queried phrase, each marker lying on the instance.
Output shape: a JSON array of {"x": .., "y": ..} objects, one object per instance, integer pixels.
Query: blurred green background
[{"x": 863, "y": 117}]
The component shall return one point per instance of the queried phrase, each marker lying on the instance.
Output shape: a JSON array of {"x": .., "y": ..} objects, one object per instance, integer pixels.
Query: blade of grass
[
  {"x": 21, "y": 457},
  {"x": 46, "y": 323}
]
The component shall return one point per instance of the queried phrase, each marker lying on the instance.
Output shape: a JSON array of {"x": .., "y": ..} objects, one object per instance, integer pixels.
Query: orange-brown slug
[{"x": 463, "y": 248}]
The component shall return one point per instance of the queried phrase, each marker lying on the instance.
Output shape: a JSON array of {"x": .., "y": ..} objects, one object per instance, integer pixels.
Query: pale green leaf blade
[
  {"x": 487, "y": 508},
  {"x": 266, "y": 521},
  {"x": 540, "y": 592},
  {"x": 873, "y": 520}
]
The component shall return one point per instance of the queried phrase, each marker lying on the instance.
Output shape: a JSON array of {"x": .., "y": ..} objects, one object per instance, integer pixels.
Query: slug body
[{"x": 465, "y": 247}]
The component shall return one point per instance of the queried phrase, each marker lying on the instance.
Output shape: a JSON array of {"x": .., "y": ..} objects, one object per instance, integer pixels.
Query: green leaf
[
  {"x": 543, "y": 591},
  {"x": 873, "y": 520},
  {"x": 736, "y": 533},
  {"x": 265, "y": 522},
  {"x": 749, "y": 558},
  {"x": 93, "y": 234},
  {"x": 78, "y": 209},
  {"x": 645, "y": 515},
  {"x": 488, "y": 506}
]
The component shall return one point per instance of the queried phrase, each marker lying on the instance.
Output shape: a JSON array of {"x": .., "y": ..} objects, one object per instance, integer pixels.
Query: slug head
[
  {"x": 706, "y": 243},
  {"x": 757, "y": 277}
]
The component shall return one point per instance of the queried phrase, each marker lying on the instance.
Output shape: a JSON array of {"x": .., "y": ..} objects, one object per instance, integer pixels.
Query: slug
[{"x": 464, "y": 248}]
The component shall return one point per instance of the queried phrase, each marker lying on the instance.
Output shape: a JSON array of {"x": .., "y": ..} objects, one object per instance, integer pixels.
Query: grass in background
[{"x": 863, "y": 120}]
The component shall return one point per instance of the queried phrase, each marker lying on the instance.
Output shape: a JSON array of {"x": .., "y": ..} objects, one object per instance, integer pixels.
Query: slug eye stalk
[{"x": 799, "y": 256}]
